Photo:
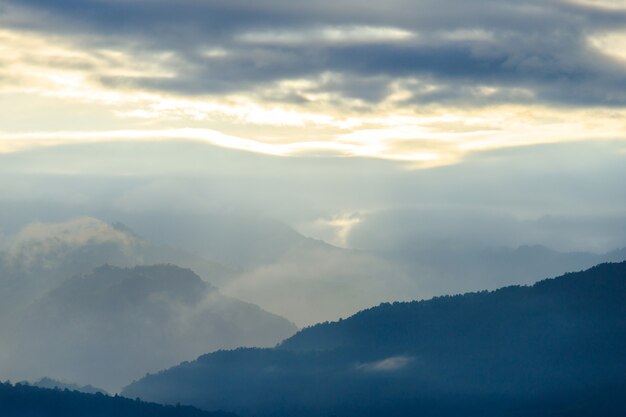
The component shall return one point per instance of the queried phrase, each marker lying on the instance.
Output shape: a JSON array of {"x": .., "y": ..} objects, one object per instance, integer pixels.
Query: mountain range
[
  {"x": 50, "y": 383},
  {"x": 23, "y": 400},
  {"x": 114, "y": 324},
  {"x": 267, "y": 263},
  {"x": 41, "y": 256},
  {"x": 64, "y": 316},
  {"x": 555, "y": 348}
]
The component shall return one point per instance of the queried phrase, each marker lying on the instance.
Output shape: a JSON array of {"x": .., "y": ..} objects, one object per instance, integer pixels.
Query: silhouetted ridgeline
[
  {"x": 566, "y": 304},
  {"x": 54, "y": 384},
  {"x": 557, "y": 348},
  {"x": 28, "y": 401}
]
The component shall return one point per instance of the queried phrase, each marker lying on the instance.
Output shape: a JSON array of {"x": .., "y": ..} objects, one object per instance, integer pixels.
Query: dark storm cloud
[{"x": 541, "y": 47}]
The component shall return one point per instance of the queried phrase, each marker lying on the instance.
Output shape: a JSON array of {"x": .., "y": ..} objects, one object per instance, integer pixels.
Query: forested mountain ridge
[
  {"x": 23, "y": 400},
  {"x": 555, "y": 348},
  {"x": 599, "y": 290},
  {"x": 50, "y": 383}
]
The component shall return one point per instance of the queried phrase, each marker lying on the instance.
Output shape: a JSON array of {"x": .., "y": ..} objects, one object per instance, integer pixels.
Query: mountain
[
  {"x": 50, "y": 383},
  {"x": 300, "y": 278},
  {"x": 22, "y": 400},
  {"x": 42, "y": 255},
  {"x": 115, "y": 324},
  {"x": 556, "y": 348},
  {"x": 264, "y": 262},
  {"x": 445, "y": 267},
  {"x": 313, "y": 281},
  {"x": 309, "y": 280},
  {"x": 269, "y": 264},
  {"x": 234, "y": 238}
]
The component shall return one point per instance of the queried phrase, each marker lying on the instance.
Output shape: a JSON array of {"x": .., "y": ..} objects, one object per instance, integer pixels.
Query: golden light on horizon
[{"x": 325, "y": 124}]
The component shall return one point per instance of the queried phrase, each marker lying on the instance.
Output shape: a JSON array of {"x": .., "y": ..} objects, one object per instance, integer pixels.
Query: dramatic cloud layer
[{"x": 420, "y": 81}]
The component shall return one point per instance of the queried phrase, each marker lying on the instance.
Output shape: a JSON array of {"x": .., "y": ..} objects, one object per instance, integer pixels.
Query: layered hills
[
  {"x": 557, "y": 347},
  {"x": 115, "y": 324}
]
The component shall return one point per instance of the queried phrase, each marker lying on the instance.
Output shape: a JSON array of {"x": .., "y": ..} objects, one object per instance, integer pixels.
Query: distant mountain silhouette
[
  {"x": 50, "y": 383},
  {"x": 233, "y": 238},
  {"x": 445, "y": 267},
  {"x": 313, "y": 281},
  {"x": 43, "y": 255},
  {"x": 116, "y": 324},
  {"x": 269, "y": 264},
  {"x": 22, "y": 400},
  {"x": 557, "y": 348},
  {"x": 308, "y": 280}
]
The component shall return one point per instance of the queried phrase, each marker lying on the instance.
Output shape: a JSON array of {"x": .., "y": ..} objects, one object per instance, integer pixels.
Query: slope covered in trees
[
  {"x": 50, "y": 383},
  {"x": 27, "y": 401},
  {"x": 555, "y": 348}
]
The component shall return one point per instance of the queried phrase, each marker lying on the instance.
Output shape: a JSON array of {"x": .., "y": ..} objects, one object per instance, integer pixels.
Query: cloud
[
  {"x": 48, "y": 245},
  {"x": 331, "y": 35},
  {"x": 451, "y": 41},
  {"x": 391, "y": 364},
  {"x": 319, "y": 78}
]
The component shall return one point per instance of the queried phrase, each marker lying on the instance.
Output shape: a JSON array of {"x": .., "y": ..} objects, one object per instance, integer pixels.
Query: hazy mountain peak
[
  {"x": 78, "y": 231},
  {"x": 120, "y": 286},
  {"x": 115, "y": 324},
  {"x": 41, "y": 256},
  {"x": 49, "y": 245}
]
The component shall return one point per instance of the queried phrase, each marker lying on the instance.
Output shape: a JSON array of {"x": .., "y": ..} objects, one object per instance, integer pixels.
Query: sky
[
  {"x": 420, "y": 82},
  {"x": 368, "y": 126}
]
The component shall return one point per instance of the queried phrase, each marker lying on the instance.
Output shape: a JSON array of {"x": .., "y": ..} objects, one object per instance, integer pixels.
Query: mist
[{"x": 300, "y": 241}]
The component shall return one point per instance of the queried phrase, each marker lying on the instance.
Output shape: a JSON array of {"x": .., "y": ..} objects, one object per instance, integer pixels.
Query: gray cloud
[{"x": 537, "y": 46}]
